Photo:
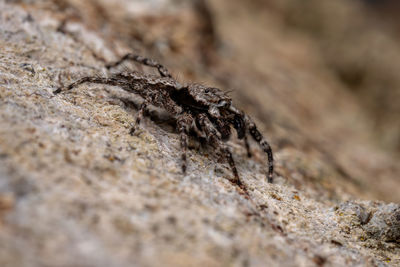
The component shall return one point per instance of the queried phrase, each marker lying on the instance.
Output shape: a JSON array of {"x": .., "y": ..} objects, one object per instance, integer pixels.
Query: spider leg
[
  {"x": 241, "y": 122},
  {"x": 108, "y": 81},
  {"x": 142, "y": 60},
  {"x": 214, "y": 138},
  {"x": 139, "y": 116},
  {"x": 247, "y": 145},
  {"x": 184, "y": 122},
  {"x": 199, "y": 133},
  {"x": 257, "y": 136},
  {"x": 228, "y": 156},
  {"x": 240, "y": 126}
]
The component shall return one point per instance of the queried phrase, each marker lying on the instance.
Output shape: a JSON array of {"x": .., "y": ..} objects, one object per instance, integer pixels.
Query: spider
[{"x": 201, "y": 112}]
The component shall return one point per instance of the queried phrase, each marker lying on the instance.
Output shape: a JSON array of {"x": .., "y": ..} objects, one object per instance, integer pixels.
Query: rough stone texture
[{"x": 77, "y": 190}]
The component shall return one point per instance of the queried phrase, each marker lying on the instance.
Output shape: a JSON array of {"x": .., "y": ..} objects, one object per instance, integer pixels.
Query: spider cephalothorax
[
  {"x": 209, "y": 96},
  {"x": 201, "y": 112}
]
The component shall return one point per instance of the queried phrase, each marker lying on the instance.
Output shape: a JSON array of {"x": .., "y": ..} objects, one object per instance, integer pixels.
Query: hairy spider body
[{"x": 202, "y": 112}]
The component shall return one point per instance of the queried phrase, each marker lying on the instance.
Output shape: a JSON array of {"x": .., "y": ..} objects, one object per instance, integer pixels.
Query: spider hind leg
[
  {"x": 107, "y": 81},
  {"x": 142, "y": 60}
]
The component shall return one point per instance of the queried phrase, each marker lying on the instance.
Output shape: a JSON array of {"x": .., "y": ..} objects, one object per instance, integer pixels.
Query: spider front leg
[
  {"x": 229, "y": 158},
  {"x": 142, "y": 60},
  {"x": 257, "y": 136},
  {"x": 240, "y": 126},
  {"x": 184, "y": 122},
  {"x": 242, "y": 123},
  {"x": 247, "y": 146},
  {"x": 214, "y": 138}
]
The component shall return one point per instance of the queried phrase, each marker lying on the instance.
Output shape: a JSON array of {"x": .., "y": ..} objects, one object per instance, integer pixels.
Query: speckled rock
[
  {"x": 385, "y": 224},
  {"x": 76, "y": 189}
]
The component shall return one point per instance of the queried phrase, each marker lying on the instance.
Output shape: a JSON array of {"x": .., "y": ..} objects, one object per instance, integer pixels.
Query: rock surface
[{"x": 77, "y": 190}]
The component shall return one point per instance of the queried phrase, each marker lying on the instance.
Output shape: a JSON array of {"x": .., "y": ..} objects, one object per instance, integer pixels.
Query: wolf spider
[{"x": 204, "y": 113}]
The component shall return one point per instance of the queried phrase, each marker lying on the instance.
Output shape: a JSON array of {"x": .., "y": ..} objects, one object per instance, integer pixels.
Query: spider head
[{"x": 209, "y": 96}]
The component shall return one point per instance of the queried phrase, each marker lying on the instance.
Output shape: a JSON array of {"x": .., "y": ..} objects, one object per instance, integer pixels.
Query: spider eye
[
  {"x": 207, "y": 90},
  {"x": 223, "y": 103}
]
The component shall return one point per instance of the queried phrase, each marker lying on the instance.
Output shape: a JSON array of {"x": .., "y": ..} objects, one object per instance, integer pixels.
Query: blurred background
[{"x": 359, "y": 41}]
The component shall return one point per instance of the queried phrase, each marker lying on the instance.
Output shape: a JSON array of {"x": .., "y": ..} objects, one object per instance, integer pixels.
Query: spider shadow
[
  {"x": 161, "y": 118},
  {"x": 158, "y": 116}
]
